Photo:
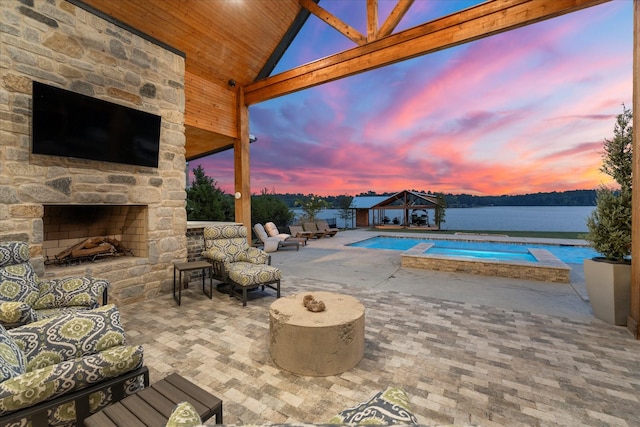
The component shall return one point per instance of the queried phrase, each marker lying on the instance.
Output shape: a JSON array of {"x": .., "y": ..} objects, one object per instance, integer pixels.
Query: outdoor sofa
[
  {"x": 58, "y": 371},
  {"x": 24, "y": 298}
]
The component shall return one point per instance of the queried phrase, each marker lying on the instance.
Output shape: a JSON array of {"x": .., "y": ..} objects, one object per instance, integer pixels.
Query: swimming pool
[{"x": 480, "y": 249}]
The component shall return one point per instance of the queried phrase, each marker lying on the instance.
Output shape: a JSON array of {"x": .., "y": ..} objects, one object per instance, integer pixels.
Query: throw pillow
[
  {"x": 184, "y": 415},
  {"x": 387, "y": 407}
]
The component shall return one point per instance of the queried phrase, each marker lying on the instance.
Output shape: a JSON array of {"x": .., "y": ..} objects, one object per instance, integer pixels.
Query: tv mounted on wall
[{"x": 70, "y": 124}]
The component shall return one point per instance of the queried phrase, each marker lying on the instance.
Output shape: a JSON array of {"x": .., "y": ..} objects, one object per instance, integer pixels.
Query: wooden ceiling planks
[{"x": 221, "y": 39}]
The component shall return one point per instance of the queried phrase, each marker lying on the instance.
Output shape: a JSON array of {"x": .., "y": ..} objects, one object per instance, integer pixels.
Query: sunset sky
[{"x": 521, "y": 112}]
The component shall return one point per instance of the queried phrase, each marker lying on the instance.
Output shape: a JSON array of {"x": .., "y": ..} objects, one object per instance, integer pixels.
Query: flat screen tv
[{"x": 69, "y": 124}]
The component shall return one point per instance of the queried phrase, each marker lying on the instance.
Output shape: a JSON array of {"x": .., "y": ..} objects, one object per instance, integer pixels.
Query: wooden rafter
[
  {"x": 372, "y": 20},
  {"x": 486, "y": 19},
  {"x": 345, "y": 29},
  {"x": 392, "y": 21}
]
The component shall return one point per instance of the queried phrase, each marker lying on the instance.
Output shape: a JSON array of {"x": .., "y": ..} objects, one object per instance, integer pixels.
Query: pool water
[
  {"x": 567, "y": 254},
  {"x": 474, "y": 253}
]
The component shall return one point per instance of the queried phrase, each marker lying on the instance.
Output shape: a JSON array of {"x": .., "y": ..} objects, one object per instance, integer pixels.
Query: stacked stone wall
[{"x": 57, "y": 43}]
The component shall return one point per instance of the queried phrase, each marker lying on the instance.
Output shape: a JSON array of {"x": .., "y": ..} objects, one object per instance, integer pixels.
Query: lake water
[{"x": 501, "y": 218}]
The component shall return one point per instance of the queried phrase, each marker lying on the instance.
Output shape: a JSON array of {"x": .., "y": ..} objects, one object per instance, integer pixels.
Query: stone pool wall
[{"x": 548, "y": 268}]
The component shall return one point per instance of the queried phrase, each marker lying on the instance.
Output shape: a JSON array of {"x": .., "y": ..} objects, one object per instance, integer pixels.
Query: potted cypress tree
[{"x": 608, "y": 277}]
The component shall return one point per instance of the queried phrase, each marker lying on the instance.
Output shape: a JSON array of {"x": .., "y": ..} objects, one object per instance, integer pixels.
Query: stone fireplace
[
  {"x": 53, "y": 202},
  {"x": 67, "y": 225}
]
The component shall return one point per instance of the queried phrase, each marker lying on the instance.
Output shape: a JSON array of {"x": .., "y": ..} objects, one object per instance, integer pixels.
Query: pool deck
[
  {"x": 486, "y": 351},
  {"x": 331, "y": 259}
]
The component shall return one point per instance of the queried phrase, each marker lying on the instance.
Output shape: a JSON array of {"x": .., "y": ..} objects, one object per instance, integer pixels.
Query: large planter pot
[{"x": 609, "y": 289}]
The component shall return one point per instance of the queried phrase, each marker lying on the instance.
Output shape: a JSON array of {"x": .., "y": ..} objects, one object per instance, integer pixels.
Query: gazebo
[{"x": 409, "y": 209}]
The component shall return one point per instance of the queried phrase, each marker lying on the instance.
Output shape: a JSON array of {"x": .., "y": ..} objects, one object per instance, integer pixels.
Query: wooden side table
[
  {"x": 181, "y": 267},
  {"x": 153, "y": 405}
]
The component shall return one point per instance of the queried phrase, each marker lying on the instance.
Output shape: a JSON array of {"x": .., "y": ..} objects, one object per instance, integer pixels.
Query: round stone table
[{"x": 316, "y": 344}]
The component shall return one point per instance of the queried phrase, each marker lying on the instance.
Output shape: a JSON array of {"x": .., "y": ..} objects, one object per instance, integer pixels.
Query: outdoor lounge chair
[
  {"x": 272, "y": 231},
  {"x": 272, "y": 244},
  {"x": 236, "y": 263},
  {"x": 312, "y": 227},
  {"x": 324, "y": 226},
  {"x": 298, "y": 231}
]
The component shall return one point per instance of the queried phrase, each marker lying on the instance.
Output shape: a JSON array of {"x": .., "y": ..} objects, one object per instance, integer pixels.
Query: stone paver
[{"x": 460, "y": 362}]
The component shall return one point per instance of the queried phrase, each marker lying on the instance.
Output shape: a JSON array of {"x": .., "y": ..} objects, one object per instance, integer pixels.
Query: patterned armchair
[
  {"x": 24, "y": 298},
  {"x": 236, "y": 263},
  {"x": 62, "y": 369}
]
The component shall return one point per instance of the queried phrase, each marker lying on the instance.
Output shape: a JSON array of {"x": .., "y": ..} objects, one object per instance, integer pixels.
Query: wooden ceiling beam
[
  {"x": 486, "y": 19},
  {"x": 372, "y": 20},
  {"x": 345, "y": 29},
  {"x": 394, "y": 18}
]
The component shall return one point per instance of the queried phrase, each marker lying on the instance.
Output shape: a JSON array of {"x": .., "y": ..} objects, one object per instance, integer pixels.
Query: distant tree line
[{"x": 554, "y": 198}]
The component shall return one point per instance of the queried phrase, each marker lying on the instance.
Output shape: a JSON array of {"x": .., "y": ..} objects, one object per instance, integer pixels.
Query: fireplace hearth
[
  {"x": 90, "y": 250},
  {"x": 80, "y": 233}
]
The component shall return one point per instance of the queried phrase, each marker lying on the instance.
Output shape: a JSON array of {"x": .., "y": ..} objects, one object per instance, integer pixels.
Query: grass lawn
[{"x": 539, "y": 234}]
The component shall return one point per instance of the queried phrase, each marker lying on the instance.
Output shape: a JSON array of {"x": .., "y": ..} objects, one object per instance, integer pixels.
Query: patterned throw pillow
[
  {"x": 388, "y": 407},
  {"x": 184, "y": 415},
  {"x": 71, "y": 292},
  {"x": 18, "y": 280},
  {"x": 12, "y": 362},
  {"x": 69, "y": 336}
]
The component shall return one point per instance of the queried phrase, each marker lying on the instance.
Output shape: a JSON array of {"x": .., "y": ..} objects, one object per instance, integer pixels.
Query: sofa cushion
[
  {"x": 70, "y": 292},
  {"x": 68, "y": 336},
  {"x": 14, "y": 253},
  {"x": 68, "y": 376},
  {"x": 184, "y": 415},
  {"x": 12, "y": 361},
  {"x": 248, "y": 274},
  {"x": 387, "y": 407},
  {"x": 230, "y": 240}
]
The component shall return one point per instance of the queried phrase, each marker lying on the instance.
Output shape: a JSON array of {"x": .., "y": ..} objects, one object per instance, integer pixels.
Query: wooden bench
[{"x": 153, "y": 405}]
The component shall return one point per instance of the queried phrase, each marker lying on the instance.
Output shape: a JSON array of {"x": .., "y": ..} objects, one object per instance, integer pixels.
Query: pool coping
[{"x": 547, "y": 268}]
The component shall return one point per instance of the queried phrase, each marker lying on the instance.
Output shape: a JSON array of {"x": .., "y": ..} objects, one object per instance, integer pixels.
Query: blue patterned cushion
[
  {"x": 68, "y": 336},
  {"x": 184, "y": 415},
  {"x": 388, "y": 407},
  {"x": 12, "y": 360}
]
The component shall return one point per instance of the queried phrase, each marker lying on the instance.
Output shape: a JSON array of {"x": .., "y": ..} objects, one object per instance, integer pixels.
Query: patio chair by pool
[
  {"x": 272, "y": 231},
  {"x": 312, "y": 227},
  {"x": 298, "y": 231},
  {"x": 324, "y": 226},
  {"x": 272, "y": 244},
  {"x": 236, "y": 263}
]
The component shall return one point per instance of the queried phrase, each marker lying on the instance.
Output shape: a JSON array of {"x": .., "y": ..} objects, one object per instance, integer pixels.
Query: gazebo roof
[{"x": 408, "y": 200}]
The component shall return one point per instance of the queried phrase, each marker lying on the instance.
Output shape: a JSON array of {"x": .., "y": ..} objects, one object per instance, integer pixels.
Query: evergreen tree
[
  {"x": 206, "y": 202},
  {"x": 269, "y": 208}
]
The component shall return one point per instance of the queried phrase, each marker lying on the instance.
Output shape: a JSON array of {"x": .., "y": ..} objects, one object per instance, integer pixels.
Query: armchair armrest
[
  {"x": 16, "y": 313},
  {"x": 257, "y": 256},
  {"x": 72, "y": 292},
  {"x": 215, "y": 254}
]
